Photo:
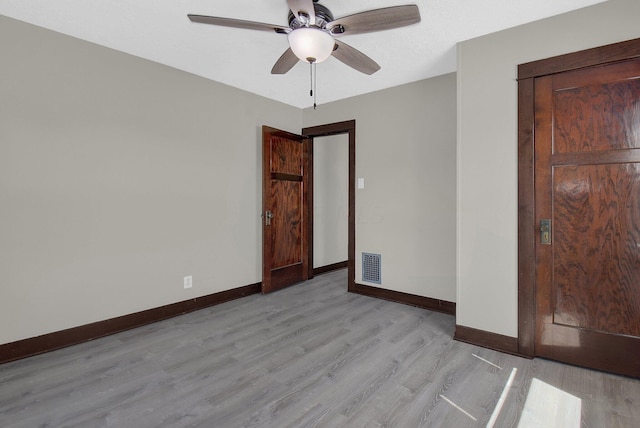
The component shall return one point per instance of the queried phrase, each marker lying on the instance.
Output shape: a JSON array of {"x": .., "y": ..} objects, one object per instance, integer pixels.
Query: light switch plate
[{"x": 360, "y": 183}]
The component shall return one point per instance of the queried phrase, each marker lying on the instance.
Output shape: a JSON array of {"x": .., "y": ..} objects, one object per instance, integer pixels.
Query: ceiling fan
[{"x": 312, "y": 31}]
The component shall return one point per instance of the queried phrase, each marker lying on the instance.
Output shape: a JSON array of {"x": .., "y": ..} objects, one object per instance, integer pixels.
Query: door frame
[
  {"x": 527, "y": 228},
  {"x": 346, "y": 127}
]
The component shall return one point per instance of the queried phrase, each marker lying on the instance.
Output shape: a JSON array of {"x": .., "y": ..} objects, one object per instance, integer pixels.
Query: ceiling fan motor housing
[{"x": 323, "y": 17}]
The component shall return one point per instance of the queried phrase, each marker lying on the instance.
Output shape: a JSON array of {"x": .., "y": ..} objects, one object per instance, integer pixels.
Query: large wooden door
[
  {"x": 284, "y": 207},
  {"x": 587, "y": 184}
]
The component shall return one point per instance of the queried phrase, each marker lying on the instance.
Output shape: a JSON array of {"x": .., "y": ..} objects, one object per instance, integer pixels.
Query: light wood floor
[{"x": 311, "y": 355}]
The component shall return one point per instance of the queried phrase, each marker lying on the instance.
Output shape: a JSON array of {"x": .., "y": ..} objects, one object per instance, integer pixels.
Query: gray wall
[
  {"x": 118, "y": 177},
  {"x": 405, "y": 151},
  {"x": 487, "y": 150}
]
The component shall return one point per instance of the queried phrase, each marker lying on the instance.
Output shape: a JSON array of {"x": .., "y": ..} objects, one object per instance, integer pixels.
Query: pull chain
[
  {"x": 313, "y": 77},
  {"x": 315, "y": 81}
]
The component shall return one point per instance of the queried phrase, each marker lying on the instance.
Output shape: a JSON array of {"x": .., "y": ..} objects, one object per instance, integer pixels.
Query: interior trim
[
  {"x": 406, "y": 298},
  {"x": 330, "y": 268},
  {"x": 84, "y": 333},
  {"x": 526, "y": 219},
  {"x": 620, "y": 51},
  {"x": 486, "y": 339}
]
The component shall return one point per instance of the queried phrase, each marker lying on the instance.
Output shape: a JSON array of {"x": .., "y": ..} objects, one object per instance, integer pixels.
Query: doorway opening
[
  {"x": 330, "y": 172},
  {"x": 317, "y": 135}
]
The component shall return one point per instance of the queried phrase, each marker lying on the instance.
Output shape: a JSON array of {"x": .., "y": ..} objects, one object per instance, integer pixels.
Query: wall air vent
[{"x": 371, "y": 268}]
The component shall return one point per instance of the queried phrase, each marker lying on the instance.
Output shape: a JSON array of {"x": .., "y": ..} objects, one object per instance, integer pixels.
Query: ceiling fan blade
[
  {"x": 304, "y": 7},
  {"x": 285, "y": 62},
  {"x": 238, "y": 23},
  {"x": 386, "y": 18},
  {"x": 354, "y": 58}
]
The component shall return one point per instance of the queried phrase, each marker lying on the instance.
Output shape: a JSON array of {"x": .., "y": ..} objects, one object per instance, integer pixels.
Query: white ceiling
[{"x": 159, "y": 30}]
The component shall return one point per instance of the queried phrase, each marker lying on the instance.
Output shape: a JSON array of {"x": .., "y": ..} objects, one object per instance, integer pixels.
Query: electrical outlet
[{"x": 188, "y": 281}]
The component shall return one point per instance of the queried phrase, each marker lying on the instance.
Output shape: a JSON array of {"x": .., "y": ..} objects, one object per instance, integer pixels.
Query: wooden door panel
[
  {"x": 286, "y": 223},
  {"x": 285, "y": 187},
  {"x": 596, "y": 257},
  {"x": 598, "y": 350},
  {"x": 286, "y": 156},
  {"x": 597, "y": 117},
  {"x": 587, "y": 182}
]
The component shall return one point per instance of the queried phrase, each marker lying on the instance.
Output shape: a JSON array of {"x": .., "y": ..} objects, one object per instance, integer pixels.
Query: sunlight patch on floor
[{"x": 550, "y": 407}]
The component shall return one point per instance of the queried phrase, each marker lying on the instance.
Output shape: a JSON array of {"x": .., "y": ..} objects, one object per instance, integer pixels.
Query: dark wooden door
[
  {"x": 587, "y": 183},
  {"x": 284, "y": 207}
]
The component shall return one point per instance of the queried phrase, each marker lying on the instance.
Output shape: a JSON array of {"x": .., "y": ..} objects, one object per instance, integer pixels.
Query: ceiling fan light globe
[{"x": 311, "y": 44}]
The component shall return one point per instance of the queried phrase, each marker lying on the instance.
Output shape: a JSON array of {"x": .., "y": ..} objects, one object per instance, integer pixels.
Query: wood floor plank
[{"x": 311, "y": 355}]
